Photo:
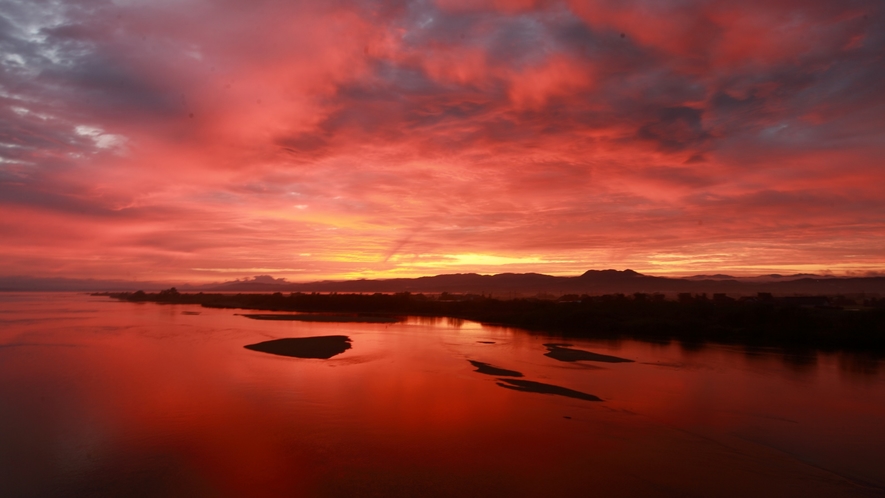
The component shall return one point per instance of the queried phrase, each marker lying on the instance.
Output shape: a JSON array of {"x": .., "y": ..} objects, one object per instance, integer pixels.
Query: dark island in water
[
  {"x": 320, "y": 347},
  {"x": 820, "y": 322}
]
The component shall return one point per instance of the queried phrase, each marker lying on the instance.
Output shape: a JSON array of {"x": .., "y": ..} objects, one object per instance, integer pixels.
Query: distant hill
[
  {"x": 502, "y": 285},
  {"x": 590, "y": 282}
]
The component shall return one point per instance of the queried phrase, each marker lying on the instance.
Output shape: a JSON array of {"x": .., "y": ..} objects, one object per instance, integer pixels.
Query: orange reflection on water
[{"x": 107, "y": 398}]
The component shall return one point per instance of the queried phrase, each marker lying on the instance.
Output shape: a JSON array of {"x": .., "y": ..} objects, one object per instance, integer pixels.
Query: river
[{"x": 107, "y": 398}]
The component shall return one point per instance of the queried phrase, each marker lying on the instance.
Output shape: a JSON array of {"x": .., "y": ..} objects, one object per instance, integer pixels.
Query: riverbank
[{"x": 765, "y": 321}]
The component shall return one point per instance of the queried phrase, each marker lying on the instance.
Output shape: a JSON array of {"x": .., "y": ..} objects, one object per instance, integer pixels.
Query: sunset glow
[{"x": 204, "y": 141}]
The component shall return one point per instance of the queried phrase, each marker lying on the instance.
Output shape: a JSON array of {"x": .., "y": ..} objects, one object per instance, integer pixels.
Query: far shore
[
  {"x": 324, "y": 317},
  {"x": 804, "y": 322}
]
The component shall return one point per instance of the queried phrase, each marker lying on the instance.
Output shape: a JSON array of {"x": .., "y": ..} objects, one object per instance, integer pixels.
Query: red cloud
[{"x": 361, "y": 138}]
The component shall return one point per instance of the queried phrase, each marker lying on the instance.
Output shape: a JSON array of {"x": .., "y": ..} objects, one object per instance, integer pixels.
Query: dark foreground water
[{"x": 104, "y": 398}]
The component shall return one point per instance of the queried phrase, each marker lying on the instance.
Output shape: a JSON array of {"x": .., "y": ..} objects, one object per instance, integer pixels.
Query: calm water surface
[{"x": 103, "y": 398}]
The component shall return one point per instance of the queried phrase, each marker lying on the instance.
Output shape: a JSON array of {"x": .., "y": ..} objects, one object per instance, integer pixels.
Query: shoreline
[{"x": 790, "y": 323}]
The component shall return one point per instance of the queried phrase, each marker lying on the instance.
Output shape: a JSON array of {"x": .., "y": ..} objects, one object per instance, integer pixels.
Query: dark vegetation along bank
[{"x": 794, "y": 322}]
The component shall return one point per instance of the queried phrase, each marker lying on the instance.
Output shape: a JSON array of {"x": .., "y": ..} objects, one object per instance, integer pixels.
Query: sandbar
[
  {"x": 563, "y": 353},
  {"x": 531, "y": 386},
  {"x": 320, "y": 347},
  {"x": 485, "y": 368},
  {"x": 321, "y": 317}
]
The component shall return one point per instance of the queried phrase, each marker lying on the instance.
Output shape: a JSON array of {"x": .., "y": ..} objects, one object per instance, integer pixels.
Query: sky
[{"x": 204, "y": 141}]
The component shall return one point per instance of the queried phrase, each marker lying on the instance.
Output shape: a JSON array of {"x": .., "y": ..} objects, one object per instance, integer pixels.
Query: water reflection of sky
[{"x": 108, "y": 398}]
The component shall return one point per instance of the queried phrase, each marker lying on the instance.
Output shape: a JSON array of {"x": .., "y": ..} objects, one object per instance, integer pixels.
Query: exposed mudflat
[
  {"x": 322, "y": 317},
  {"x": 562, "y": 352},
  {"x": 531, "y": 386},
  {"x": 320, "y": 347},
  {"x": 485, "y": 368}
]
